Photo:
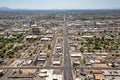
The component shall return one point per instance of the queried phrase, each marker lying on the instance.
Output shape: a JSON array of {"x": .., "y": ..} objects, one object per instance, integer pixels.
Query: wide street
[{"x": 67, "y": 60}]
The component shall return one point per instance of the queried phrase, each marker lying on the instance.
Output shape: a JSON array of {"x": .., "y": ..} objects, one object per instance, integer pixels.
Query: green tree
[
  {"x": 1, "y": 74},
  {"x": 49, "y": 46}
]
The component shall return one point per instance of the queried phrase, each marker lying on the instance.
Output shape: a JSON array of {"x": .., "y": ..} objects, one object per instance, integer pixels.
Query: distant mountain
[{"x": 4, "y": 8}]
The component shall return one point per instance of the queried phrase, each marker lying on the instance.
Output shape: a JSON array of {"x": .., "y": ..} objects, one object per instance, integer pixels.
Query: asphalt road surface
[{"x": 67, "y": 61}]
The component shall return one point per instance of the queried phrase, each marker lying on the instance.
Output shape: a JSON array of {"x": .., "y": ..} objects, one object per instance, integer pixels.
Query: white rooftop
[
  {"x": 56, "y": 62},
  {"x": 76, "y": 55}
]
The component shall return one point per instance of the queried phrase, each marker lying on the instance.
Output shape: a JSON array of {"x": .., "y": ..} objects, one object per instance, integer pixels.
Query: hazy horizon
[{"x": 60, "y": 4}]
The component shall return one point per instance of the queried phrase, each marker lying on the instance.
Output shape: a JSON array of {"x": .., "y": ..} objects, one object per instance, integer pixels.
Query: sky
[{"x": 61, "y": 4}]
